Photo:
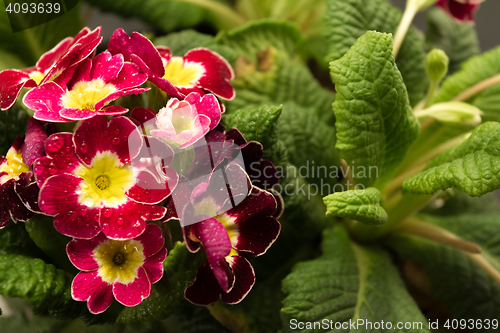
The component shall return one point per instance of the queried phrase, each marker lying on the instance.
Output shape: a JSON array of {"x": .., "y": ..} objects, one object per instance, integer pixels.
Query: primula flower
[
  {"x": 69, "y": 52},
  {"x": 199, "y": 70},
  {"x": 88, "y": 184},
  {"x": 86, "y": 90},
  {"x": 462, "y": 10},
  {"x": 18, "y": 188},
  {"x": 243, "y": 222},
  {"x": 111, "y": 269}
]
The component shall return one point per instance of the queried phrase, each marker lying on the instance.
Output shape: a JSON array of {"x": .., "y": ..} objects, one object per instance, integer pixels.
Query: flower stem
[
  {"x": 227, "y": 17},
  {"x": 485, "y": 265},
  {"x": 438, "y": 234},
  {"x": 408, "y": 15},
  {"x": 477, "y": 88}
]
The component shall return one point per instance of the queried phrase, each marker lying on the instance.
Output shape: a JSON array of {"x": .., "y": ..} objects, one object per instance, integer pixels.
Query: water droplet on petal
[
  {"x": 115, "y": 141},
  {"x": 108, "y": 212},
  {"x": 72, "y": 215},
  {"x": 117, "y": 131},
  {"x": 84, "y": 147},
  {"x": 104, "y": 134},
  {"x": 96, "y": 217},
  {"x": 55, "y": 144},
  {"x": 88, "y": 201},
  {"x": 52, "y": 169},
  {"x": 120, "y": 221}
]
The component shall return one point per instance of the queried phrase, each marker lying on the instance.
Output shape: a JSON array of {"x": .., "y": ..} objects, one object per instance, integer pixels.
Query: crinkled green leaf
[
  {"x": 473, "y": 166},
  {"x": 183, "y": 41},
  {"x": 13, "y": 123},
  {"x": 31, "y": 43},
  {"x": 259, "y": 35},
  {"x": 164, "y": 15},
  {"x": 45, "y": 287},
  {"x": 457, "y": 39},
  {"x": 375, "y": 123},
  {"x": 260, "y": 124},
  {"x": 347, "y": 20},
  {"x": 348, "y": 282},
  {"x": 475, "y": 70},
  {"x": 310, "y": 143},
  {"x": 360, "y": 205},
  {"x": 168, "y": 293}
]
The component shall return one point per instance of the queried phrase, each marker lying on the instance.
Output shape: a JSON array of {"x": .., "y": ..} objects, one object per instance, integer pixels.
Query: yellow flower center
[
  {"x": 183, "y": 74},
  {"x": 105, "y": 181},
  {"x": 37, "y": 76},
  {"x": 119, "y": 261},
  {"x": 85, "y": 94},
  {"x": 14, "y": 165}
]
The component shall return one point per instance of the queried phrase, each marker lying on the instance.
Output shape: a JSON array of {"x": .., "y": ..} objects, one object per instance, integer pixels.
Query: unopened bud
[
  {"x": 453, "y": 112},
  {"x": 436, "y": 64}
]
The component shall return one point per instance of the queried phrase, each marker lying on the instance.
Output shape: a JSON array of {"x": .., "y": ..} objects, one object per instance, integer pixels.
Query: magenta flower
[
  {"x": 68, "y": 53},
  {"x": 18, "y": 188},
  {"x": 199, "y": 70},
  {"x": 462, "y": 10},
  {"x": 226, "y": 220},
  {"x": 88, "y": 184},
  {"x": 86, "y": 90},
  {"x": 122, "y": 270}
]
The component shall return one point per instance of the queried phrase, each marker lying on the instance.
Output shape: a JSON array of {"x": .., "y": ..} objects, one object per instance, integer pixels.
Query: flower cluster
[{"x": 120, "y": 174}]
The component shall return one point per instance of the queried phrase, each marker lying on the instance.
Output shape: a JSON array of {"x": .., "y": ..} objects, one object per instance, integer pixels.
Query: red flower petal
[
  {"x": 80, "y": 252},
  {"x": 88, "y": 286},
  {"x": 27, "y": 190},
  {"x": 59, "y": 197},
  {"x": 244, "y": 277},
  {"x": 142, "y": 115},
  {"x": 133, "y": 293},
  {"x": 11, "y": 206},
  {"x": 207, "y": 105},
  {"x": 152, "y": 240},
  {"x": 460, "y": 10},
  {"x": 46, "y": 101},
  {"x": 154, "y": 265},
  {"x": 205, "y": 289},
  {"x": 106, "y": 66},
  {"x": 11, "y": 83},
  {"x": 34, "y": 142}
]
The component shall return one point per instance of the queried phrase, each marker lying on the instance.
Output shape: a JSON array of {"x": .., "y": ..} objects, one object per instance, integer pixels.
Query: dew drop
[
  {"x": 96, "y": 217},
  {"x": 104, "y": 134},
  {"x": 115, "y": 141},
  {"x": 84, "y": 147},
  {"x": 52, "y": 169},
  {"x": 72, "y": 216},
  {"x": 117, "y": 131},
  {"x": 120, "y": 221},
  {"x": 108, "y": 212},
  {"x": 88, "y": 201}
]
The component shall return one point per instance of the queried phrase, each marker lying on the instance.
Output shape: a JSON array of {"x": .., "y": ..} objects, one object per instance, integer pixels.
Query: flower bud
[
  {"x": 436, "y": 64},
  {"x": 453, "y": 113}
]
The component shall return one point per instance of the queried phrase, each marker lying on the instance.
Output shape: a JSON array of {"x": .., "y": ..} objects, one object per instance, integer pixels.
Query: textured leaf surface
[
  {"x": 375, "y": 123},
  {"x": 359, "y": 205},
  {"x": 164, "y": 15},
  {"x": 31, "y": 43},
  {"x": 260, "y": 124},
  {"x": 44, "y": 286},
  {"x": 347, "y": 282},
  {"x": 473, "y": 166},
  {"x": 457, "y": 39},
  {"x": 475, "y": 70},
  {"x": 347, "y": 20},
  {"x": 167, "y": 294}
]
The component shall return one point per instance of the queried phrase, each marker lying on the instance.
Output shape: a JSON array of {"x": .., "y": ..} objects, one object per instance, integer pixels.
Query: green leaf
[
  {"x": 183, "y": 41},
  {"x": 31, "y": 43},
  {"x": 473, "y": 166},
  {"x": 44, "y": 286},
  {"x": 15, "y": 240},
  {"x": 259, "y": 124},
  {"x": 375, "y": 123},
  {"x": 348, "y": 282},
  {"x": 475, "y": 70},
  {"x": 164, "y": 15},
  {"x": 347, "y": 20},
  {"x": 310, "y": 144},
  {"x": 168, "y": 293},
  {"x": 259, "y": 35},
  {"x": 457, "y": 39},
  {"x": 359, "y": 205},
  {"x": 9, "y": 60},
  {"x": 13, "y": 123}
]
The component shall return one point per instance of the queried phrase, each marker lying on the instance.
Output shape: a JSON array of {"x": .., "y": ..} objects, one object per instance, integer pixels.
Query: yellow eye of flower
[
  {"x": 85, "y": 94},
  {"x": 37, "y": 76},
  {"x": 183, "y": 74},
  {"x": 102, "y": 182},
  {"x": 14, "y": 164}
]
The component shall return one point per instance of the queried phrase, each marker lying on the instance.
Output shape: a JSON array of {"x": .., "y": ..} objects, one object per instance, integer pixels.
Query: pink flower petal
[
  {"x": 152, "y": 240},
  {"x": 133, "y": 293},
  {"x": 128, "y": 220},
  {"x": 50, "y": 57},
  {"x": 106, "y": 66},
  {"x": 61, "y": 157},
  {"x": 128, "y": 77},
  {"x": 207, "y": 105},
  {"x": 97, "y": 135},
  {"x": 244, "y": 279},
  {"x": 81, "y": 73},
  {"x": 205, "y": 289},
  {"x": 165, "y": 86},
  {"x": 151, "y": 188},
  {"x": 80, "y": 252},
  {"x": 88, "y": 286},
  {"x": 111, "y": 97},
  {"x": 76, "y": 114},
  {"x": 59, "y": 197},
  {"x": 11, "y": 83},
  {"x": 218, "y": 72},
  {"x": 45, "y": 100},
  {"x": 154, "y": 265},
  {"x": 34, "y": 142},
  {"x": 257, "y": 229}
]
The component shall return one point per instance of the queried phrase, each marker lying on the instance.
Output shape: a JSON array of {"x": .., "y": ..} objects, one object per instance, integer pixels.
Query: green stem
[
  {"x": 430, "y": 93},
  {"x": 404, "y": 25},
  {"x": 477, "y": 88},
  {"x": 226, "y": 16}
]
